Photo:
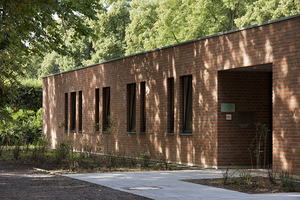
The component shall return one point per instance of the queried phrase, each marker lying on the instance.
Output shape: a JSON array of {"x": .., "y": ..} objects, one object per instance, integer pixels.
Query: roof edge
[{"x": 182, "y": 43}]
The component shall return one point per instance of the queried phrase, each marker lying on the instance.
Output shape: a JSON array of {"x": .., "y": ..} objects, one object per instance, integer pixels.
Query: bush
[
  {"x": 25, "y": 127},
  {"x": 29, "y": 95}
]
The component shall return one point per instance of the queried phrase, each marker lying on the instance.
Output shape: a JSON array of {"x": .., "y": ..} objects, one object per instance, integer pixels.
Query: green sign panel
[{"x": 227, "y": 107}]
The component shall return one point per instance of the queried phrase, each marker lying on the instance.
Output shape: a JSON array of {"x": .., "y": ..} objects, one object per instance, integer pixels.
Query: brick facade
[{"x": 225, "y": 68}]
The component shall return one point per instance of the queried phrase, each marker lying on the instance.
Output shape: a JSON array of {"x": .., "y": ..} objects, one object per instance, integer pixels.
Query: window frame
[
  {"x": 66, "y": 121},
  {"x": 131, "y": 108},
  {"x": 105, "y": 109},
  {"x": 97, "y": 110},
  {"x": 187, "y": 105},
  {"x": 171, "y": 100},
  {"x": 73, "y": 112},
  {"x": 143, "y": 107},
  {"x": 80, "y": 111}
]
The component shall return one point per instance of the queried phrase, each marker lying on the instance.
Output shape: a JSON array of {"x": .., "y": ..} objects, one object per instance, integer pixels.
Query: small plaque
[
  {"x": 228, "y": 117},
  {"x": 227, "y": 107}
]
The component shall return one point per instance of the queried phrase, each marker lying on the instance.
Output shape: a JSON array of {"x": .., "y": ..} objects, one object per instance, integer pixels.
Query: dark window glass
[
  {"x": 143, "y": 107},
  {"x": 170, "y": 105},
  {"x": 106, "y": 108},
  {"x": 80, "y": 111},
  {"x": 66, "y": 111},
  {"x": 187, "y": 110},
  {"x": 97, "y": 120},
  {"x": 73, "y": 111},
  {"x": 131, "y": 107}
]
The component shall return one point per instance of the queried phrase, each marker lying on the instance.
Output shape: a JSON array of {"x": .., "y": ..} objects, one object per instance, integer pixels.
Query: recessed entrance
[{"x": 249, "y": 89}]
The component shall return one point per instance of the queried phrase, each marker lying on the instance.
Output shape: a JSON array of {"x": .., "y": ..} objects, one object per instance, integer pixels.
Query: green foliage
[
  {"x": 30, "y": 95},
  {"x": 40, "y": 149},
  {"x": 63, "y": 148},
  {"x": 146, "y": 159},
  {"x": 246, "y": 176},
  {"x": 29, "y": 27},
  {"x": 161, "y": 23},
  {"x": 110, "y": 29},
  {"x": 287, "y": 181},
  {"x": 265, "y": 10},
  {"x": 25, "y": 127}
]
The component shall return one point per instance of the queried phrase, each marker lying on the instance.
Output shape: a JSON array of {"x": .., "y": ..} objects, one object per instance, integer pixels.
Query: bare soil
[
  {"x": 22, "y": 181},
  {"x": 256, "y": 185}
]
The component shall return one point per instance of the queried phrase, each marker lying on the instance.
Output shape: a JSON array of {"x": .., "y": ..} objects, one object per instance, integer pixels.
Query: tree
[
  {"x": 265, "y": 10},
  {"x": 160, "y": 23},
  {"x": 140, "y": 33},
  {"x": 28, "y": 27},
  {"x": 110, "y": 30}
]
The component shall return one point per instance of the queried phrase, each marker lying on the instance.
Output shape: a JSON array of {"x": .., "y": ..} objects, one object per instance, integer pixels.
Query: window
[
  {"x": 131, "y": 107},
  {"x": 143, "y": 107},
  {"x": 80, "y": 111},
  {"x": 73, "y": 111},
  {"x": 66, "y": 112},
  {"x": 97, "y": 120},
  {"x": 187, "y": 107},
  {"x": 106, "y": 108},
  {"x": 170, "y": 88}
]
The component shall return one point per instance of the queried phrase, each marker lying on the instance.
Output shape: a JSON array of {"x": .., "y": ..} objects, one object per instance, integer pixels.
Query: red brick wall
[{"x": 277, "y": 43}]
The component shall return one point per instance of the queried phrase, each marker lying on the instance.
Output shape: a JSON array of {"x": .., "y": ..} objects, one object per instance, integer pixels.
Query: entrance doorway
[{"x": 248, "y": 93}]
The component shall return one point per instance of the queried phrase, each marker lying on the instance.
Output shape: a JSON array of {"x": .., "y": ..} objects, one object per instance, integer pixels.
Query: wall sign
[
  {"x": 227, "y": 107},
  {"x": 228, "y": 117}
]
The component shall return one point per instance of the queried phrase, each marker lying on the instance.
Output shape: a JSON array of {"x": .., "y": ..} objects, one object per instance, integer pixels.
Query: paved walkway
[{"x": 162, "y": 185}]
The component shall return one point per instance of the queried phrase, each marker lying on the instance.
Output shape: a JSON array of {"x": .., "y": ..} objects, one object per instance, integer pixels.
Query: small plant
[
  {"x": 226, "y": 176},
  {"x": 17, "y": 149},
  {"x": 1, "y": 149},
  {"x": 272, "y": 175},
  {"x": 40, "y": 149},
  {"x": 246, "y": 176},
  {"x": 259, "y": 144},
  {"x": 287, "y": 181},
  {"x": 164, "y": 161},
  {"x": 146, "y": 159},
  {"x": 87, "y": 148},
  {"x": 63, "y": 148},
  {"x": 97, "y": 127}
]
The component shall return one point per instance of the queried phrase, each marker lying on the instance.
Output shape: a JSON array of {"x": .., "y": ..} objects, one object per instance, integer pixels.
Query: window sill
[
  {"x": 72, "y": 131},
  {"x": 106, "y": 132},
  {"x": 79, "y": 131},
  {"x": 186, "y": 134},
  {"x": 97, "y": 131},
  {"x": 170, "y": 134},
  {"x": 130, "y": 133},
  {"x": 142, "y": 133}
]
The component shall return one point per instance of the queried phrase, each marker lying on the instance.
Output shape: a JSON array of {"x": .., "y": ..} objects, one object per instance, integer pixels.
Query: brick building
[{"x": 195, "y": 102}]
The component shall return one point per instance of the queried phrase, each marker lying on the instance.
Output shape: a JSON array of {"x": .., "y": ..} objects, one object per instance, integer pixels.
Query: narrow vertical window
[
  {"x": 97, "y": 120},
  {"x": 187, "y": 109},
  {"x": 143, "y": 107},
  {"x": 73, "y": 111},
  {"x": 131, "y": 107},
  {"x": 66, "y": 112},
  {"x": 106, "y": 108},
  {"x": 170, "y": 86},
  {"x": 80, "y": 111}
]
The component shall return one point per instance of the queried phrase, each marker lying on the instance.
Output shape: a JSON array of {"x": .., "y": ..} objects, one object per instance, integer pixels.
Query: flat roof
[{"x": 182, "y": 43}]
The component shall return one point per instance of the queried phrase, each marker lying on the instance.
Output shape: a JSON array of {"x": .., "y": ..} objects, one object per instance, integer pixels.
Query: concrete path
[{"x": 162, "y": 185}]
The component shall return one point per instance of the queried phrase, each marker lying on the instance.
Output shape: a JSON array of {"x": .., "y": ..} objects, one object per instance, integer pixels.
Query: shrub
[
  {"x": 25, "y": 127},
  {"x": 146, "y": 159}
]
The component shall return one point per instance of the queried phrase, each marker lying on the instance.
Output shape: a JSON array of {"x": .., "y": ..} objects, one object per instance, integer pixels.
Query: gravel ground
[{"x": 21, "y": 181}]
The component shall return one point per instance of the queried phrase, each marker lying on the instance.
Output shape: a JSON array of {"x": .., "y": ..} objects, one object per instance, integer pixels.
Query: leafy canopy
[{"x": 29, "y": 26}]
